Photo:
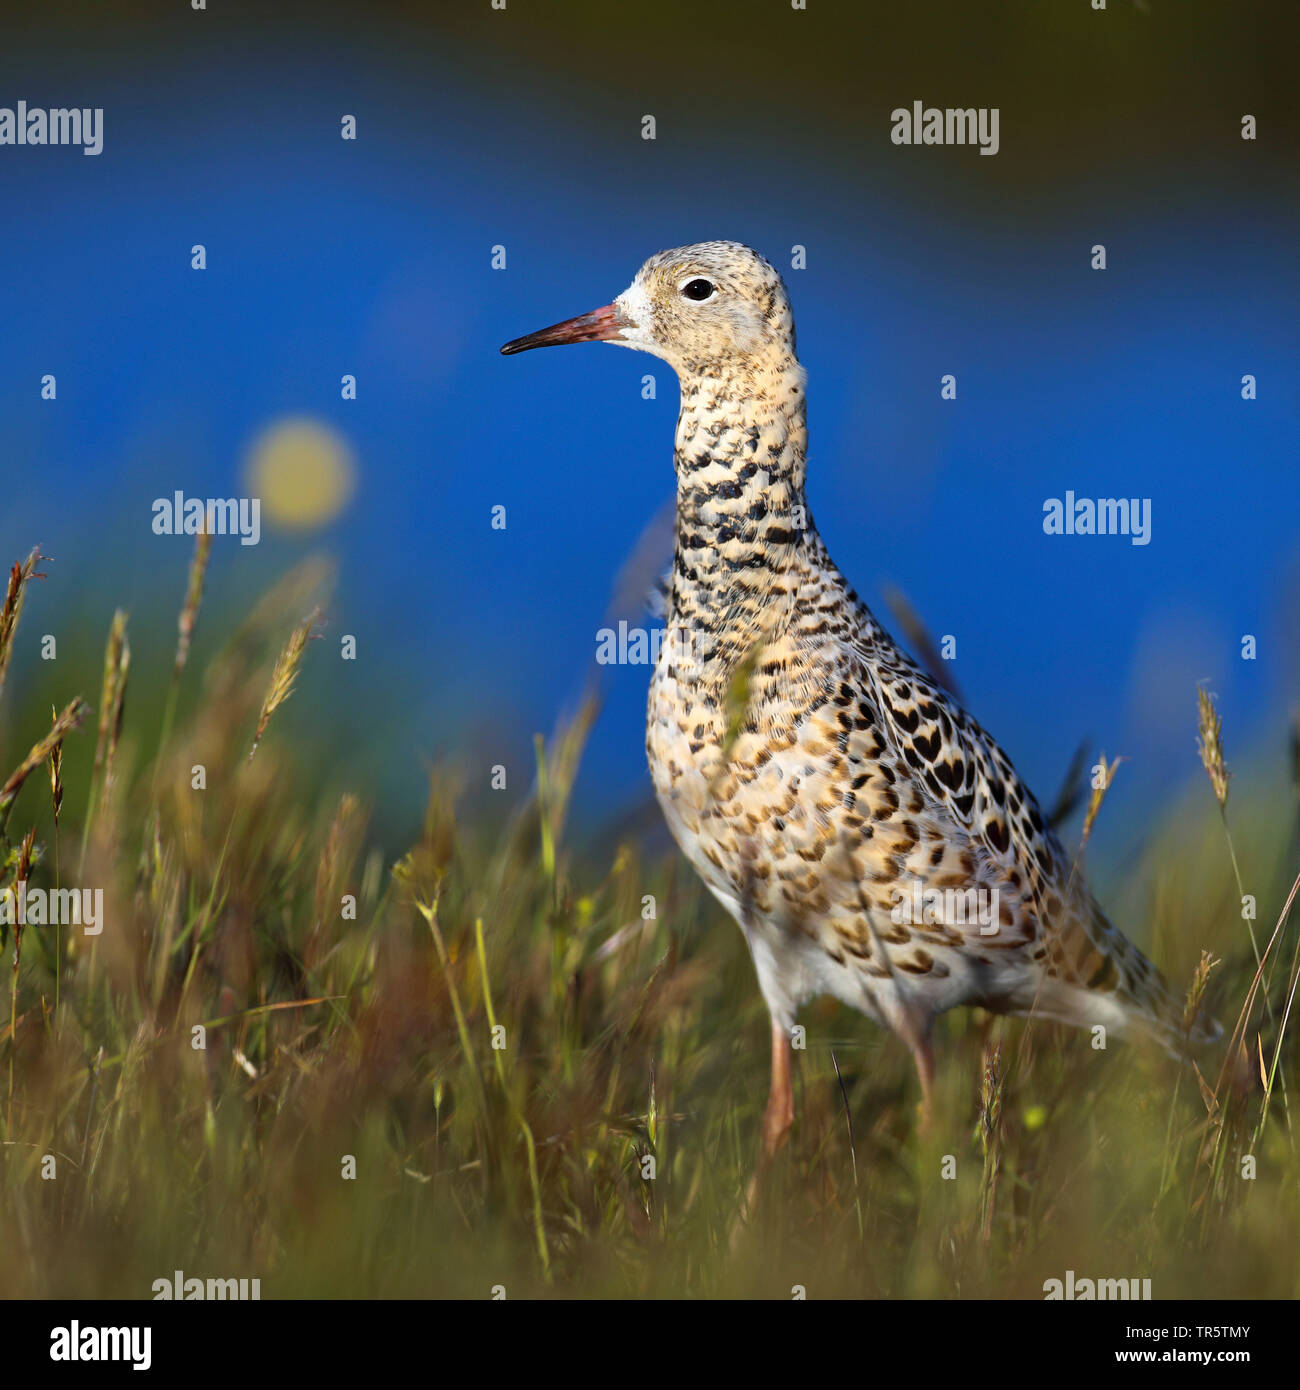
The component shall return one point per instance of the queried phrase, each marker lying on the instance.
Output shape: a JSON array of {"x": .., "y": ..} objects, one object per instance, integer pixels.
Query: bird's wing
[
  {"x": 967, "y": 775},
  {"x": 972, "y": 782}
]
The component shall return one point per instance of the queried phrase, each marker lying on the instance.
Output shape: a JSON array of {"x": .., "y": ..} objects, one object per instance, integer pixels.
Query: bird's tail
[
  {"x": 1169, "y": 1030},
  {"x": 1158, "y": 1012},
  {"x": 1110, "y": 963}
]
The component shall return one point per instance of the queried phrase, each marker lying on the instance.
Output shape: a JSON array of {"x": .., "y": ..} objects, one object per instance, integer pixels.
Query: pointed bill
[{"x": 600, "y": 326}]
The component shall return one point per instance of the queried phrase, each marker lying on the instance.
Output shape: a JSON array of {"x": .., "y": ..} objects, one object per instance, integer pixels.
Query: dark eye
[{"x": 698, "y": 289}]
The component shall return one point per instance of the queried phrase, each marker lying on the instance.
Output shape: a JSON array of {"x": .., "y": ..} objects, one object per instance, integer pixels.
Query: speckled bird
[{"x": 821, "y": 783}]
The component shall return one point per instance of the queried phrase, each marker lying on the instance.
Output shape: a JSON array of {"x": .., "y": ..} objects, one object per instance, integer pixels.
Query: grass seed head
[
  {"x": 55, "y": 765},
  {"x": 193, "y": 598},
  {"x": 285, "y": 674},
  {"x": 117, "y": 658},
  {"x": 991, "y": 1095},
  {"x": 72, "y": 715},
  {"x": 1098, "y": 795},
  {"x": 1196, "y": 991},
  {"x": 12, "y": 608},
  {"x": 1211, "y": 746}
]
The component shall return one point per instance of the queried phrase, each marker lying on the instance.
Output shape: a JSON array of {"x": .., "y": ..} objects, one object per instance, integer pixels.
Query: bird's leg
[
  {"x": 777, "y": 1120},
  {"x": 779, "y": 1115},
  {"x": 923, "y": 1056},
  {"x": 914, "y": 1029}
]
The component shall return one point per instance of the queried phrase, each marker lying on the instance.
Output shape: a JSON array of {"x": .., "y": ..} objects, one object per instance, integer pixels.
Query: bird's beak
[{"x": 599, "y": 326}]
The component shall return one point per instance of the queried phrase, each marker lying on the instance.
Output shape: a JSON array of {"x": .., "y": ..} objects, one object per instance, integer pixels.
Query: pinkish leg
[
  {"x": 779, "y": 1115},
  {"x": 923, "y": 1056},
  {"x": 777, "y": 1118}
]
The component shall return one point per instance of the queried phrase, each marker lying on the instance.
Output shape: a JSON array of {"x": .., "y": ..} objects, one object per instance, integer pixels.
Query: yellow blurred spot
[
  {"x": 1035, "y": 1117},
  {"x": 303, "y": 472}
]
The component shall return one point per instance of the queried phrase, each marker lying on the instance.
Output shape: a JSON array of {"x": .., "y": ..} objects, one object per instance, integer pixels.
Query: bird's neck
[{"x": 742, "y": 521}]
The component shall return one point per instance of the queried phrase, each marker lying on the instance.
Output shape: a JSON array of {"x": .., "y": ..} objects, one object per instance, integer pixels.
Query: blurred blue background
[{"x": 479, "y": 128}]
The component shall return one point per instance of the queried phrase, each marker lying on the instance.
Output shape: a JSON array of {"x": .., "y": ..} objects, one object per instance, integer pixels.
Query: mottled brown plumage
[{"x": 853, "y": 785}]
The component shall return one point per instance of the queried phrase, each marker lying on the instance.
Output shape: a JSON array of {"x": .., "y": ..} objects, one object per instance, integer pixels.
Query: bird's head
[{"x": 700, "y": 308}]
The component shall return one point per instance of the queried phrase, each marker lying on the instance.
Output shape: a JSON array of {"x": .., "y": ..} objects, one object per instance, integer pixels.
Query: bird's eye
[{"x": 698, "y": 290}]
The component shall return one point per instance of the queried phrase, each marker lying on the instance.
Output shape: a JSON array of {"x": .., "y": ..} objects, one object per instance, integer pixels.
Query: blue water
[{"x": 373, "y": 258}]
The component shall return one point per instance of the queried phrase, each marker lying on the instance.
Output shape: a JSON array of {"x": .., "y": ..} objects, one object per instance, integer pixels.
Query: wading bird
[{"x": 851, "y": 788}]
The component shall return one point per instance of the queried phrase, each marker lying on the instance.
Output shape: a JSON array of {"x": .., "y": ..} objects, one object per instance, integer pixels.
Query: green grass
[{"x": 628, "y": 1033}]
